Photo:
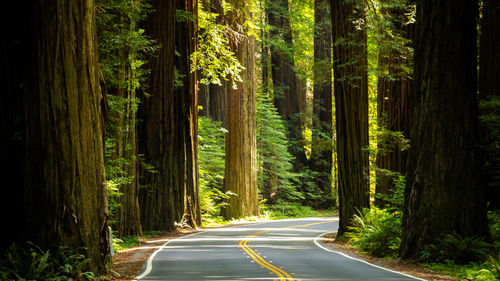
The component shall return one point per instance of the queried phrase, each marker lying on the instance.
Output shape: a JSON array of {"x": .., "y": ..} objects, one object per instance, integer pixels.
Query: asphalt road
[{"x": 275, "y": 250}]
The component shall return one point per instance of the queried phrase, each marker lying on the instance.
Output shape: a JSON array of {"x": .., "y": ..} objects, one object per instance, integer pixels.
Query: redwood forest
[{"x": 126, "y": 120}]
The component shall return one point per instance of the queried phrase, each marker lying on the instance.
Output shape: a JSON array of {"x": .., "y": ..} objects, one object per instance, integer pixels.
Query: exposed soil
[
  {"x": 404, "y": 266},
  {"x": 127, "y": 264}
]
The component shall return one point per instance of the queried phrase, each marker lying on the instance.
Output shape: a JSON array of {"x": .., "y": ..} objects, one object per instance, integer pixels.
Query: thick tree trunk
[
  {"x": 156, "y": 197},
  {"x": 393, "y": 105},
  {"x": 351, "y": 109},
  {"x": 241, "y": 142},
  {"x": 322, "y": 131},
  {"x": 489, "y": 88},
  {"x": 286, "y": 94},
  {"x": 170, "y": 124},
  {"x": 187, "y": 127},
  {"x": 53, "y": 109},
  {"x": 443, "y": 193}
]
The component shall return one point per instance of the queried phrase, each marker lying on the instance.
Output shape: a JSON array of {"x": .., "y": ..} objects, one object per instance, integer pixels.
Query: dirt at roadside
[
  {"x": 127, "y": 264},
  {"x": 397, "y": 265}
]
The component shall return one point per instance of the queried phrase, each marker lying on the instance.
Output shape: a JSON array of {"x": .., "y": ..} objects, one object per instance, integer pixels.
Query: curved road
[{"x": 282, "y": 250}]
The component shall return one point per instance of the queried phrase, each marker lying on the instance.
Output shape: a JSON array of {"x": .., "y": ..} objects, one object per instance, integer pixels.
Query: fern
[{"x": 455, "y": 248}]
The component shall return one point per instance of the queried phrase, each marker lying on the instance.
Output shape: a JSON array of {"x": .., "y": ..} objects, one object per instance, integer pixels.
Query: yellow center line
[{"x": 282, "y": 274}]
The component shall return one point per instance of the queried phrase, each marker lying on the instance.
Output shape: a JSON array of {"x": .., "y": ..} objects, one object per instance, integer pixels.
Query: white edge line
[
  {"x": 363, "y": 261},
  {"x": 149, "y": 265}
]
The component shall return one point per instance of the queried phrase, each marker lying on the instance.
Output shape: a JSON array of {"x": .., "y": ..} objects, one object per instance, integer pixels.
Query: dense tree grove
[{"x": 125, "y": 117}]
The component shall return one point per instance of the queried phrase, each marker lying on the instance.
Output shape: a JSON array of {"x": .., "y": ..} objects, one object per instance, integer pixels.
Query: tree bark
[
  {"x": 443, "y": 192},
  {"x": 286, "y": 94},
  {"x": 170, "y": 129},
  {"x": 241, "y": 142},
  {"x": 54, "y": 115},
  {"x": 187, "y": 127},
  {"x": 489, "y": 88},
  {"x": 393, "y": 102},
  {"x": 322, "y": 130},
  {"x": 351, "y": 109}
]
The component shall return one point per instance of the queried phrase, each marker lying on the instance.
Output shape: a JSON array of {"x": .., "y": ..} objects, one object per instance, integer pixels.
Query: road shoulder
[{"x": 394, "y": 264}]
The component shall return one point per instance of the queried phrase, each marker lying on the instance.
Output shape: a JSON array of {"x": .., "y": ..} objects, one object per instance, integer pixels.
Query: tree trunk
[
  {"x": 156, "y": 197},
  {"x": 187, "y": 94},
  {"x": 286, "y": 94},
  {"x": 443, "y": 192},
  {"x": 168, "y": 138},
  {"x": 393, "y": 106},
  {"x": 53, "y": 109},
  {"x": 322, "y": 131},
  {"x": 489, "y": 89},
  {"x": 241, "y": 142},
  {"x": 351, "y": 109}
]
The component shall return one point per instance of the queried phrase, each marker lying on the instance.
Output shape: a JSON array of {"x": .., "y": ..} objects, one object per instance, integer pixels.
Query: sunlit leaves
[{"x": 214, "y": 58}]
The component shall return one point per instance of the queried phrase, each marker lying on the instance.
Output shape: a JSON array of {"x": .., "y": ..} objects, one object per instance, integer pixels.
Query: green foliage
[
  {"x": 490, "y": 122},
  {"x": 486, "y": 271},
  {"x": 121, "y": 41},
  {"x": 123, "y": 48},
  {"x": 214, "y": 58},
  {"x": 211, "y": 155},
  {"x": 394, "y": 201},
  {"x": 284, "y": 209},
  {"x": 376, "y": 232},
  {"x": 273, "y": 158},
  {"x": 125, "y": 242},
  {"x": 455, "y": 248},
  {"x": 30, "y": 262}
]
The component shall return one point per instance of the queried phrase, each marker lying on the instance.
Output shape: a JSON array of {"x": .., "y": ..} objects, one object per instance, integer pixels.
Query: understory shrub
[
  {"x": 376, "y": 232},
  {"x": 284, "y": 209},
  {"x": 211, "y": 155},
  {"x": 455, "y": 248},
  {"x": 30, "y": 262}
]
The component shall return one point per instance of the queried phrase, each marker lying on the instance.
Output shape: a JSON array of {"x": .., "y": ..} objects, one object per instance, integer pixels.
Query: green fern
[{"x": 455, "y": 248}]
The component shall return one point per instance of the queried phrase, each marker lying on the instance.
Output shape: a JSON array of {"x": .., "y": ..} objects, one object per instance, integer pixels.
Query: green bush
[
  {"x": 211, "y": 155},
  {"x": 376, "y": 232},
  {"x": 455, "y": 248},
  {"x": 284, "y": 209},
  {"x": 30, "y": 262}
]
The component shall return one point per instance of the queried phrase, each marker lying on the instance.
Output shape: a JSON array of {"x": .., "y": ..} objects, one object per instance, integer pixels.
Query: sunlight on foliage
[
  {"x": 376, "y": 232},
  {"x": 211, "y": 155},
  {"x": 214, "y": 58}
]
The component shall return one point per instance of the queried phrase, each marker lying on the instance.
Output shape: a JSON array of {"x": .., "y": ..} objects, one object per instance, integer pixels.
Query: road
[{"x": 275, "y": 250}]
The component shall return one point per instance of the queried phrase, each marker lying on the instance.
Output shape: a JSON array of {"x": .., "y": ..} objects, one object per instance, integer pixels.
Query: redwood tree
[
  {"x": 169, "y": 130},
  {"x": 241, "y": 143},
  {"x": 443, "y": 193},
  {"x": 322, "y": 131},
  {"x": 351, "y": 108},
  {"x": 52, "y": 111}
]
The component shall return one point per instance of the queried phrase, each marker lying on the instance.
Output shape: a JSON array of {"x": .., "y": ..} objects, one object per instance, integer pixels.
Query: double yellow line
[{"x": 282, "y": 274}]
